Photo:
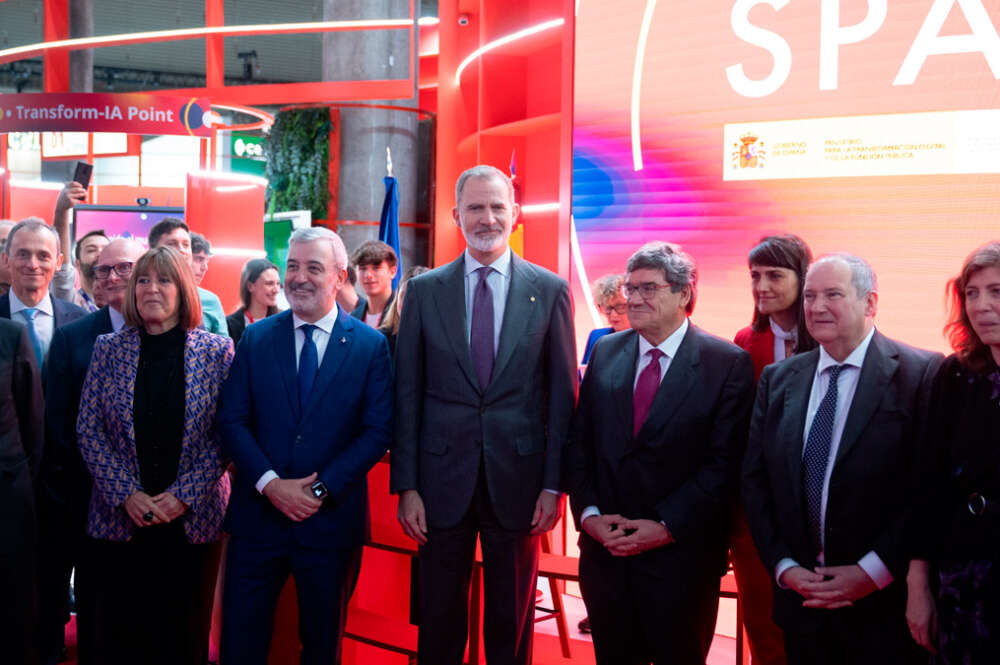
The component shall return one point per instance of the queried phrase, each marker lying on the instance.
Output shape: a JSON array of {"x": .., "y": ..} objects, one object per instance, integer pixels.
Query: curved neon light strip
[
  {"x": 507, "y": 39},
  {"x": 574, "y": 250},
  {"x": 640, "y": 55},
  {"x": 540, "y": 207},
  {"x": 19, "y": 52}
]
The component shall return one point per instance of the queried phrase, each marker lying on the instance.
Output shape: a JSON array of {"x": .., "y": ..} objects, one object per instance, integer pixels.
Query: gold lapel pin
[{"x": 532, "y": 298}]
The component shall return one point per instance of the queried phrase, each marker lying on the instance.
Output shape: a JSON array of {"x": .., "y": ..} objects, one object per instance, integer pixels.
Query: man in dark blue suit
[
  {"x": 64, "y": 483},
  {"x": 305, "y": 414}
]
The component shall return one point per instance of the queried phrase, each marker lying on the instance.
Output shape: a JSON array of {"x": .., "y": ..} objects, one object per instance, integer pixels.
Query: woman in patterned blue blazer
[{"x": 147, "y": 433}]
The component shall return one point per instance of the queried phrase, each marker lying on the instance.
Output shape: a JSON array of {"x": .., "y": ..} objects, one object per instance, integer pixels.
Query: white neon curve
[
  {"x": 640, "y": 56},
  {"x": 574, "y": 249},
  {"x": 507, "y": 39},
  {"x": 540, "y": 207},
  {"x": 207, "y": 31}
]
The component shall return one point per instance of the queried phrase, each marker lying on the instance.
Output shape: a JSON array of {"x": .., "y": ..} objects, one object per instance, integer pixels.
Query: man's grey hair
[
  {"x": 678, "y": 268},
  {"x": 314, "y": 233},
  {"x": 862, "y": 276},
  {"x": 483, "y": 171},
  {"x": 606, "y": 288},
  {"x": 31, "y": 224}
]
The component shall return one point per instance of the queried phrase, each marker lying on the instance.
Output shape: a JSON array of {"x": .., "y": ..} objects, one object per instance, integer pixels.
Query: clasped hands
[
  {"x": 293, "y": 496},
  {"x": 625, "y": 537},
  {"x": 163, "y": 507},
  {"x": 829, "y": 587}
]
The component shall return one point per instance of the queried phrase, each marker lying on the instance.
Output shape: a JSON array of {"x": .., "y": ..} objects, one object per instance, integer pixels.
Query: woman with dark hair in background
[
  {"x": 778, "y": 266},
  {"x": 956, "y": 525},
  {"x": 259, "y": 286},
  {"x": 390, "y": 326},
  {"x": 147, "y": 433}
]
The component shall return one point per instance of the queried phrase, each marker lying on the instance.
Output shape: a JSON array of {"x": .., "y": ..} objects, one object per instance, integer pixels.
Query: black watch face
[{"x": 319, "y": 490}]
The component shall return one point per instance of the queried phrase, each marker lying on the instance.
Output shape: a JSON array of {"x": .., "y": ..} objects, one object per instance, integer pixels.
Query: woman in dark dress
[
  {"x": 953, "y": 583},
  {"x": 147, "y": 433},
  {"x": 259, "y": 287}
]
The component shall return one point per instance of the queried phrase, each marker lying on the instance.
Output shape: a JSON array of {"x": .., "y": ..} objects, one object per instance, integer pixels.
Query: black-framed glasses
[
  {"x": 647, "y": 289},
  {"x": 123, "y": 270},
  {"x": 619, "y": 309}
]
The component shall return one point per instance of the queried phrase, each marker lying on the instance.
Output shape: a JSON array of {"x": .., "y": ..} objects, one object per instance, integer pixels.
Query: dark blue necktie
[
  {"x": 308, "y": 364},
  {"x": 29, "y": 314},
  {"x": 481, "y": 337},
  {"x": 816, "y": 457}
]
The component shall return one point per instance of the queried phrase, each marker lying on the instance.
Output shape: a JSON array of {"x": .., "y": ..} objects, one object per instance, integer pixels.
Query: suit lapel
[
  {"x": 796, "y": 404},
  {"x": 877, "y": 370},
  {"x": 128, "y": 361},
  {"x": 337, "y": 350},
  {"x": 5, "y": 306},
  {"x": 450, "y": 301},
  {"x": 622, "y": 380},
  {"x": 103, "y": 321},
  {"x": 522, "y": 299},
  {"x": 673, "y": 388},
  {"x": 284, "y": 351}
]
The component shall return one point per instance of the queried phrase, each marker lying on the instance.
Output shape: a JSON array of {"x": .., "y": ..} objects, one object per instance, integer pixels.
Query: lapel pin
[
  {"x": 532, "y": 298},
  {"x": 343, "y": 340}
]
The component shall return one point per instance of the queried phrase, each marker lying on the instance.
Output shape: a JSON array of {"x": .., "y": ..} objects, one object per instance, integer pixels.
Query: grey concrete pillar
[
  {"x": 365, "y": 133},
  {"x": 81, "y": 63}
]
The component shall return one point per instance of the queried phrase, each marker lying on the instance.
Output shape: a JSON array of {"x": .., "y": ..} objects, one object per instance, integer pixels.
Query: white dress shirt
[
  {"x": 847, "y": 384},
  {"x": 669, "y": 348},
  {"x": 320, "y": 337},
  {"x": 45, "y": 318},
  {"x": 499, "y": 281},
  {"x": 117, "y": 319},
  {"x": 780, "y": 336}
]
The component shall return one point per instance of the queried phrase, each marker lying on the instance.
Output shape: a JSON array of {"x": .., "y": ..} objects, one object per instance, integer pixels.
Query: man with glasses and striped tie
[{"x": 827, "y": 473}]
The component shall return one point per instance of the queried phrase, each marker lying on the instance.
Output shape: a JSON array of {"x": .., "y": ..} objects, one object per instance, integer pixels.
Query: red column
[
  {"x": 215, "y": 55},
  {"x": 55, "y": 26}
]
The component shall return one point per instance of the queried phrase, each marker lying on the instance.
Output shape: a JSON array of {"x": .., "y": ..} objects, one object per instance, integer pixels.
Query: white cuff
[
  {"x": 268, "y": 476},
  {"x": 589, "y": 511},
  {"x": 874, "y": 568},
  {"x": 782, "y": 566},
  {"x": 556, "y": 492}
]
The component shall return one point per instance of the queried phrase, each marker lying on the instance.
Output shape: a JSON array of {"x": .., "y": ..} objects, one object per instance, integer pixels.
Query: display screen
[
  {"x": 861, "y": 125},
  {"x": 128, "y": 221}
]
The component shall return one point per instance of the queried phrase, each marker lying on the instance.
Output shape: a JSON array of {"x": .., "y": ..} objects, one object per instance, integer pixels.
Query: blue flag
[{"x": 388, "y": 224}]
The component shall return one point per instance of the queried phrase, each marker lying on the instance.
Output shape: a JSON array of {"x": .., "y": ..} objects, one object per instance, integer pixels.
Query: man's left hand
[
  {"x": 548, "y": 510},
  {"x": 648, "y": 535},
  {"x": 846, "y": 585},
  {"x": 170, "y": 504}
]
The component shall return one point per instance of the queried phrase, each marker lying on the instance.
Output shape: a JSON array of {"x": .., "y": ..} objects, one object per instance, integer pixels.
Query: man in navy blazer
[
  {"x": 64, "y": 483},
  {"x": 32, "y": 254},
  {"x": 305, "y": 414}
]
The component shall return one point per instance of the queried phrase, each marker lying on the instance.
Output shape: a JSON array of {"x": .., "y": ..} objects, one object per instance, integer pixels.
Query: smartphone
[{"x": 82, "y": 174}]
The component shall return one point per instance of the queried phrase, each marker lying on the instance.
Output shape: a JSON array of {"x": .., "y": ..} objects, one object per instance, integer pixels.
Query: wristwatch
[{"x": 319, "y": 490}]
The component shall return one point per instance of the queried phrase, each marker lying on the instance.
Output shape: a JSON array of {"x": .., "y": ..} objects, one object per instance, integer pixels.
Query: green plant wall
[{"x": 297, "y": 151}]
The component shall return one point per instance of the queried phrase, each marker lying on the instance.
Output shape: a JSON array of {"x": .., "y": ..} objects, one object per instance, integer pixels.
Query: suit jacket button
[{"x": 298, "y": 438}]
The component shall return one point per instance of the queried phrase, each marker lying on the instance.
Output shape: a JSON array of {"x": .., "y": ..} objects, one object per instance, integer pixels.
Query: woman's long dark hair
[{"x": 791, "y": 252}]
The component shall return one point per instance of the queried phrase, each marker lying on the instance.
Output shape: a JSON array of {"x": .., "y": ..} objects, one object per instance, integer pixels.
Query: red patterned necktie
[{"x": 645, "y": 390}]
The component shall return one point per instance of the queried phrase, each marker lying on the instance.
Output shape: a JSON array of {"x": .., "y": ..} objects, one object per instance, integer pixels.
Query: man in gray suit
[
  {"x": 485, "y": 385},
  {"x": 827, "y": 473}
]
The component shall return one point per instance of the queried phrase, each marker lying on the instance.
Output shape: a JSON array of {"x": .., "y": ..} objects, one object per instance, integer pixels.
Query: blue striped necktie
[
  {"x": 29, "y": 314},
  {"x": 817, "y": 456}
]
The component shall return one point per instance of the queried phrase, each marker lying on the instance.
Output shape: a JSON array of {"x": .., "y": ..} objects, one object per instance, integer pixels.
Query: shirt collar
[
  {"x": 501, "y": 265},
  {"x": 792, "y": 334},
  {"x": 45, "y": 306},
  {"x": 855, "y": 359},
  {"x": 668, "y": 346},
  {"x": 117, "y": 319},
  {"x": 325, "y": 324}
]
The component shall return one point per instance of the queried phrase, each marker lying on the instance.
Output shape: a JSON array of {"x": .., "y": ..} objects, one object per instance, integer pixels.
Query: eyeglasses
[
  {"x": 123, "y": 269},
  {"x": 618, "y": 309},
  {"x": 647, "y": 289}
]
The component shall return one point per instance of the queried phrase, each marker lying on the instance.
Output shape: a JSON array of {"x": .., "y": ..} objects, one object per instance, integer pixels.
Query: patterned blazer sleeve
[
  {"x": 112, "y": 474},
  {"x": 205, "y": 464}
]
